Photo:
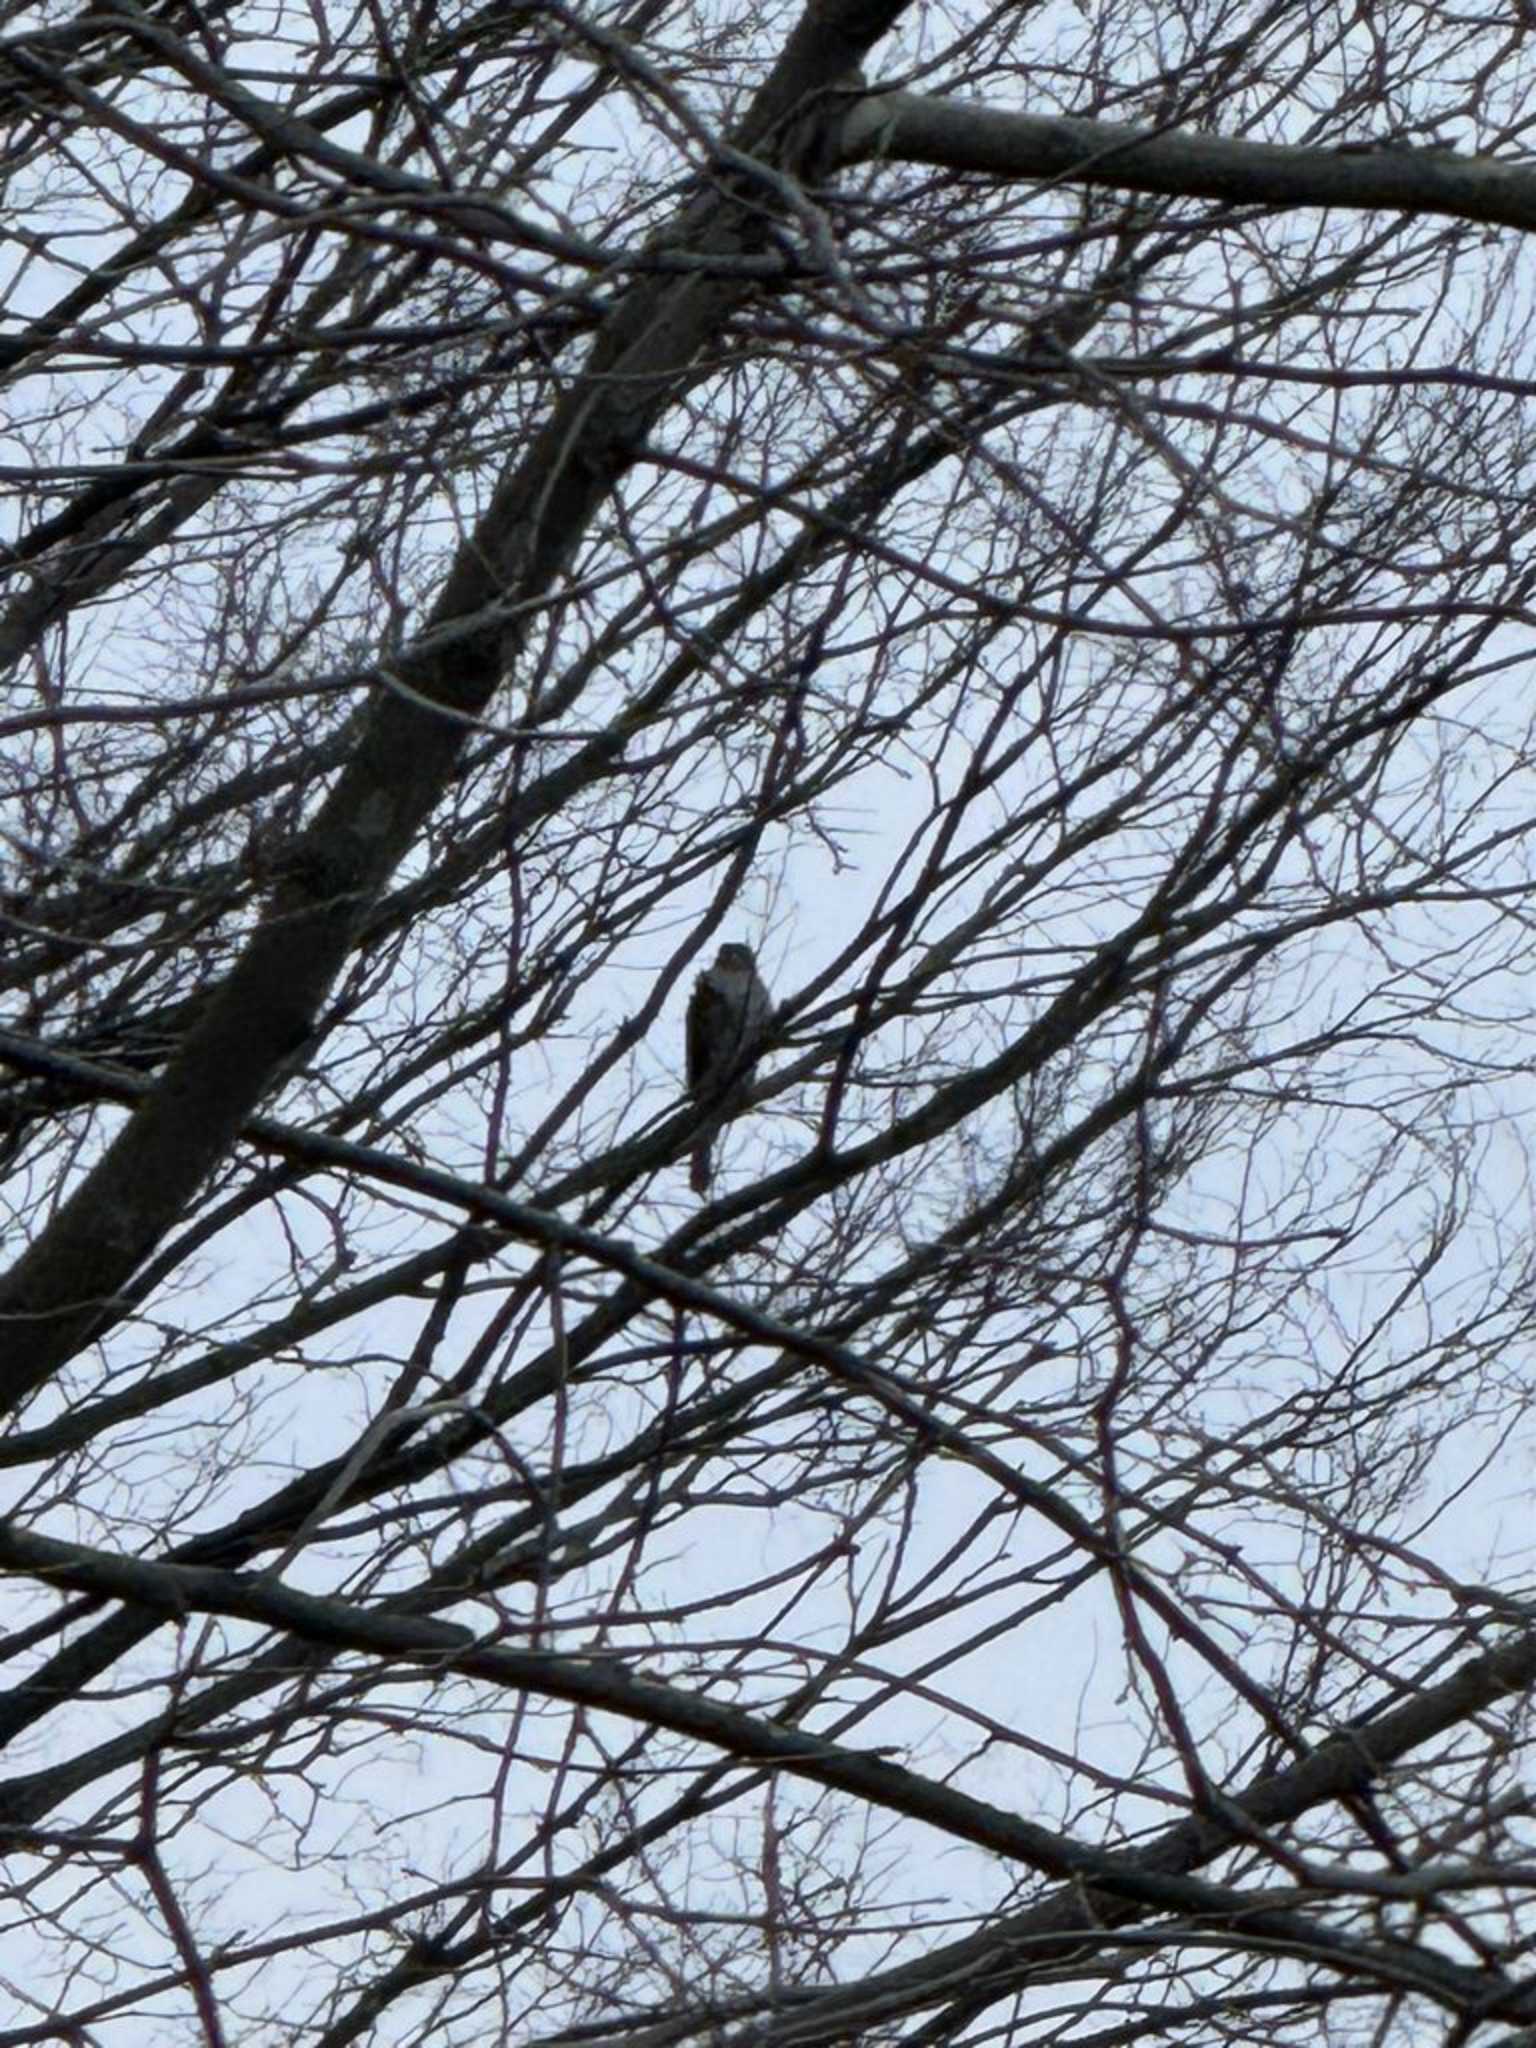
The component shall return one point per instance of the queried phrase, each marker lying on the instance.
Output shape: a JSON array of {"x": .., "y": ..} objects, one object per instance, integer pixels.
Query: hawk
[{"x": 728, "y": 1017}]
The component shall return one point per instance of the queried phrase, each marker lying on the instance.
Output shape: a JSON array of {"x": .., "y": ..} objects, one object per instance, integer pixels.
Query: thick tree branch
[
  {"x": 1104, "y": 1889},
  {"x": 961, "y": 135}
]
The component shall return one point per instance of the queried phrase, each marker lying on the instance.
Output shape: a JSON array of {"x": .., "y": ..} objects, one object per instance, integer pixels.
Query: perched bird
[{"x": 728, "y": 1017}]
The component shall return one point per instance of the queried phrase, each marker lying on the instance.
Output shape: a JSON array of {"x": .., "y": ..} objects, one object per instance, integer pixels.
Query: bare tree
[{"x": 1025, "y": 521}]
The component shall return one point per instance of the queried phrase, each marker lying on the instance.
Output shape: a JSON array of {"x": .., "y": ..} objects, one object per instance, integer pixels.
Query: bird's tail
[{"x": 700, "y": 1167}]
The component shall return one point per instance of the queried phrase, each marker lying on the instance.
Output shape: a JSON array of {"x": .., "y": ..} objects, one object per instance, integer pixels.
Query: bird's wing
[{"x": 706, "y": 1029}]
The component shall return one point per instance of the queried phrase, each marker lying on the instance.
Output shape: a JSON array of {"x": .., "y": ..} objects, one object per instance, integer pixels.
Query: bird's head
[{"x": 738, "y": 959}]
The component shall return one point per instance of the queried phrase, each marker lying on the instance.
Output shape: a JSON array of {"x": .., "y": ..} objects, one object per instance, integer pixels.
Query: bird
[{"x": 728, "y": 1017}]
